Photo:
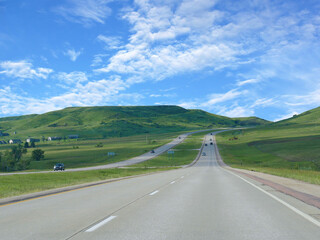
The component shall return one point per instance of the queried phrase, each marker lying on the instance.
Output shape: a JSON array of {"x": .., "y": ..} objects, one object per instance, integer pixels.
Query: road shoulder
[{"x": 306, "y": 192}]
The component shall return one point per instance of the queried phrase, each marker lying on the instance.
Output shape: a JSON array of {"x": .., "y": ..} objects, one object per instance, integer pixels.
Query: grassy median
[{"x": 184, "y": 153}]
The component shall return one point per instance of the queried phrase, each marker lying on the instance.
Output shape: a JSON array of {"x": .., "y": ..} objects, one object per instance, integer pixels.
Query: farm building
[
  {"x": 14, "y": 141},
  {"x": 2, "y": 134}
]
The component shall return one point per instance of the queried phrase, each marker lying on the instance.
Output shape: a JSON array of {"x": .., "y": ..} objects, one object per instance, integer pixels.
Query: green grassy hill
[
  {"x": 310, "y": 117},
  {"x": 287, "y": 147},
  {"x": 107, "y": 122}
]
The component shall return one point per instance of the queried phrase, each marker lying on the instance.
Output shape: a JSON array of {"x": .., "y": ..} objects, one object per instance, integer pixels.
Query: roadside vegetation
[
  {"x": 289, "y": 148},
  {"x": 82, "y": 153},
  {"x": 14, "y": 185}
]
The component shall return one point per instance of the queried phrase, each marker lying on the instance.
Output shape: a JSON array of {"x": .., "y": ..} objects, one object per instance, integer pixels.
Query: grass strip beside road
[
  {"x": 15, "y": 185},
  {"x": 292, "y": 153}
]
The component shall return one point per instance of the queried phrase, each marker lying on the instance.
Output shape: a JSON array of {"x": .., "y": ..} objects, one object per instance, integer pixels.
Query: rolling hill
[
  {"x": 285, "y": 148},
  {"x": 114, "y": 121}
]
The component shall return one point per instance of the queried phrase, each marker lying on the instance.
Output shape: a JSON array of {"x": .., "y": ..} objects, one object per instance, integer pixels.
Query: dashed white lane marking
[
  {"x": 100, "y": 224},
  {"x": 302, "y": 214},
  {"x": 153, "y": 193},
  {"x": 172, "y": 182},
  {"x": 182, "y": 177}
]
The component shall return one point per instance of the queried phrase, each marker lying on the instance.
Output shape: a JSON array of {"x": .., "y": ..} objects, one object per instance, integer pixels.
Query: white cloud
[
  {"x": 111, "y": 42},
  {"x": 153, "y": 50},
  {"x": 309, "y": 99},
  {"x": 73, "y": 54},
  {"x": 189, "y": 105},
  {"x": 248, "y": 81},
  {"x": 264, "y": 102},
  {"x": 85, "y": 12},
  {"x": 223, "y": 97},
  {"x": 23, "y": 69},
  {"x": 72, "y": 78},
  {"x": 155, "y": 95},
  {"x": 95, "y": 93},
  {"x": 237, "y": 111},
  {"x": 98, "y": 59}
]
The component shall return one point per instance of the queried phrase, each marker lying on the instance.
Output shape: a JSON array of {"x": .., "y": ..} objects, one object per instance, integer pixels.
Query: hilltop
[
  {"x": 118, "y": 121},
  {"x": 309, "y": 117}
]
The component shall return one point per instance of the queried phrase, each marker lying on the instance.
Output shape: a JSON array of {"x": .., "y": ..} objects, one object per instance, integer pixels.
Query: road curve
[
  {"x": 204, "y": 201},
  {"x": 135, "y": 160}
]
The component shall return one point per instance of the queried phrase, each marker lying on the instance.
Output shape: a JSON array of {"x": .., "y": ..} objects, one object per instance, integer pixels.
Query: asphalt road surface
[{"x": 200, "y": 202}]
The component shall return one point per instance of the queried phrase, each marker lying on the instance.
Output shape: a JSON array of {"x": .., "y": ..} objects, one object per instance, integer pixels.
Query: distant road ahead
[
  {"x": 135, "y": 160},
  {"x": 200, "y": 202}
]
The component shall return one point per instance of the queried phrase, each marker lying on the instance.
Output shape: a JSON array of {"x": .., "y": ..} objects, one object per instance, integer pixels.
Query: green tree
[
  {"x": 4, "y": 160},
  {"x": 33, "y": 145},
  {"x": 37, "y": 155},
  {"x": 14, "y": 158},
  {"x": 26, "y": 145}
]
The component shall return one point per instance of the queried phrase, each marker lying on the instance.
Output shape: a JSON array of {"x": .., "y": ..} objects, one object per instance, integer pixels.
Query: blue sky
[{"x": 233, "y": 58}]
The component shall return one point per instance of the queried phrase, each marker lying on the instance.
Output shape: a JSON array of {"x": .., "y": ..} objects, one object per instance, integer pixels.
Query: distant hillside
[
  {"x": 309, "y": 117},
  {"x": 105, "y": 122}
]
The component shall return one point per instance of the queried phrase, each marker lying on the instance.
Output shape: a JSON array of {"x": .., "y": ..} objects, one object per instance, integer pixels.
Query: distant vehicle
[
  {"x": 58, "y": 166},
  {"x": 211, "y": 143},
  {"x": 179, "y": 137},
  {"x": 152, "y": 151},
  {"x": 204, "y": 154},
  {"x": 210, "y": 133},
  {"x": 206, "y": 144},
  {"x": 211, "y": 139}
]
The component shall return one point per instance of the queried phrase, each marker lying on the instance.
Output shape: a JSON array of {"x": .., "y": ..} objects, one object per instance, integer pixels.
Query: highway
[{"x": 204, "y": 201}]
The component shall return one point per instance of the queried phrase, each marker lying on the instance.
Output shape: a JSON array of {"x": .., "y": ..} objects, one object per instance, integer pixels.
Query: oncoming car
[{"x": 58, "y": 166}]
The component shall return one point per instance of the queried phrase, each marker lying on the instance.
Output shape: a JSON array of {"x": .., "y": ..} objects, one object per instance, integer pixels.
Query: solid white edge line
[
  {"x": 153, "y": 193},
  {"x": 100, "y": 224},
  {"x": 302, "y": 214}
]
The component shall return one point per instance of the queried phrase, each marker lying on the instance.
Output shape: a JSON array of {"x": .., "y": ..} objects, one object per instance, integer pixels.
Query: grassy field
[
  {"x": 184, "y": 153},
  {"x": 84, "y": 153},
  {"x": 289, "y": 148},
  {"x": 14, "y": 185}
]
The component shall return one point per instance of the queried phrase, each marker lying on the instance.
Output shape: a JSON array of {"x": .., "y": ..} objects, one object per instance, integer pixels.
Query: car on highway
[
  {"x": 204, "y": 154},
  {"x": 152, "y": 151},
  {"x": 206, "y": 144},
  {"x": 58, "y": 166},
  {"x": 211, "y": 143}
]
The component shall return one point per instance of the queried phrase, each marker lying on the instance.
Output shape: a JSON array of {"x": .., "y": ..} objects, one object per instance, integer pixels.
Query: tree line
[{"x": 14, "y": 158}]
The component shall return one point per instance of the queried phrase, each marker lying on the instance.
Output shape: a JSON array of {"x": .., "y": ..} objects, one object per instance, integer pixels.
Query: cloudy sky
[{"x": 233, "y": 58}]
